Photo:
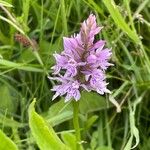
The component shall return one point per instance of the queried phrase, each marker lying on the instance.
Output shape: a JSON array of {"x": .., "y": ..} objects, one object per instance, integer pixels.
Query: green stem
[{"x": 76, "y": 123}]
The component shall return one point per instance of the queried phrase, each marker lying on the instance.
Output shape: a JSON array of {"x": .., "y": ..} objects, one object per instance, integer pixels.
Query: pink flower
[{"x": 82, "y": 64}]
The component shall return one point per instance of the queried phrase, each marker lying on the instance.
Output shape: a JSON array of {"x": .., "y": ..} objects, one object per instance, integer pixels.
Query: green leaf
[
  {"x": 59, "y": 112},
  {"x": 118, "y": 19},
  {"x": 69, "y": 139},
  {"x": 91, "y": 101},
  {"x": 94, "y": 143},
  {"x": 8, "y": 101},
  {"x": 95, "y": 6},
  {"x": 13, "y": 24},
  {"x": 6, "y": 4},
  {"x": 133, "y": 128},
  {"x": 44, "y": 136},
  {"x": 10, "y": 122},
  {"x": 104, "y": 148},
  {"x": 6, "y": 143},
  {"x": 94, "y": 140},
  {"x": 20, "y": 66},
  {"x": 27, "y": 56},
  {"x": 91, "y": 121}
]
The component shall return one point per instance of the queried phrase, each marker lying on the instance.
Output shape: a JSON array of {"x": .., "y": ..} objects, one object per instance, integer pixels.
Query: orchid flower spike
[{"x": 82, "y": 63}]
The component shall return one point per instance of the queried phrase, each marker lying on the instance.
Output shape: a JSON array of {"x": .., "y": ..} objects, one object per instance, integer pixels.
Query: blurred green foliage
[{"x": 24, "y": 71}]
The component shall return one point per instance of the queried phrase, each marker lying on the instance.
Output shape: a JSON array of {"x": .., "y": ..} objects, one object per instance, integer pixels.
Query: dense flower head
[{"x": 82, "y": 64}]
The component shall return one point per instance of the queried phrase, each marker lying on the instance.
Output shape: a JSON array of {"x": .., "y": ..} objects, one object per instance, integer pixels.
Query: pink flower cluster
[{"x": 82, "y": 64}]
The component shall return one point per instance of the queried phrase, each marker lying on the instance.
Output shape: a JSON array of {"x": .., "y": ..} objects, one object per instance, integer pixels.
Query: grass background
[{"x": 24, "y": 70}]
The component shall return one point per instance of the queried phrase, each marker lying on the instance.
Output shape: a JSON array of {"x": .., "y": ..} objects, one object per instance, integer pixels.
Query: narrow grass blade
[
  {"x": 140, "y": 8},
  {"x": 94, "y": 6},
  {"x": 64, "y": 20},
  {"x": 6, "y": 4},
  {"x": 9, "y": 122},
  {"x": 11, "y": 23},
  {"x": 19, "y": 66},
  {"x": 118, "y": 19},
  {"x": 134, "y": 130}
]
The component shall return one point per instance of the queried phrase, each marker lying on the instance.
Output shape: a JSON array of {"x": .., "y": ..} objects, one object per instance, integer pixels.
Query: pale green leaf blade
[
  {"x": 44, "y": 135},
  {"x": 6, "y": 4},
  {"x": 13, "y": 24},
  {"x": 134, "y": 129},
  {"x": 6, "y": 143}
]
